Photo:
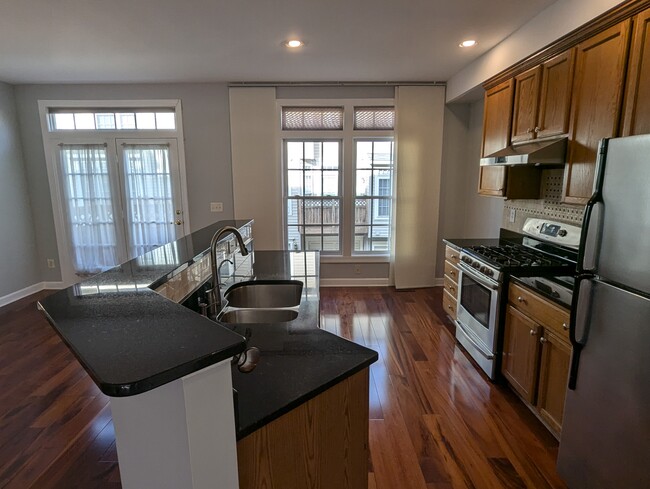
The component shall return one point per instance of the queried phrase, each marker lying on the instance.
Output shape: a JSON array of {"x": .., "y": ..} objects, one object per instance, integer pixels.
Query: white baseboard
[
  {"x": 27, "y": 291},
  {"x": 439, "y": 282},
  {"x": 355, "y": 282}
]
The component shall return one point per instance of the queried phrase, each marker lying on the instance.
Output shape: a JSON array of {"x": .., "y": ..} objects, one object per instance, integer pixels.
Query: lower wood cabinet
[
  {"x": 450, "y": 294},
  {"x": 536, "y": 354},
  {"x": 321, "y": 443}
]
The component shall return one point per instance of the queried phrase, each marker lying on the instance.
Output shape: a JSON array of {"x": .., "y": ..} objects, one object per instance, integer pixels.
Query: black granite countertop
[
  {"x": 298, "y": 360},
  {"x": 131, "y": 339}
]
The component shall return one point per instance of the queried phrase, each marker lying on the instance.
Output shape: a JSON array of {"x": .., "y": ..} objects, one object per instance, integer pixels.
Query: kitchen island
[{"x": 168, "y": 372}]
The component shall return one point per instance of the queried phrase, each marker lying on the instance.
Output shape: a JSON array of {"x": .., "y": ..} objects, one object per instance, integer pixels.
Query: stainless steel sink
[
  {"x": 265, "y": 294},
  {"x": 242, "y": 316}
]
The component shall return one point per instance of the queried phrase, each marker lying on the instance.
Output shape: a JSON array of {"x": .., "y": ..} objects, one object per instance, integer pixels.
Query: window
[
  {"x": 322, "y": 211},
  {"x": 115, "y": 180},
  {"x": 313, "y": 195},
  {"x": 102, "y": 120},
  {"x": 373, "y": 191}
]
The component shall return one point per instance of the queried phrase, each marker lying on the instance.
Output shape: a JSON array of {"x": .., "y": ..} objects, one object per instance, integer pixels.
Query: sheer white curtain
[
  {"x": 149, "y": 197},
  {"x": 89, "y": 215}
]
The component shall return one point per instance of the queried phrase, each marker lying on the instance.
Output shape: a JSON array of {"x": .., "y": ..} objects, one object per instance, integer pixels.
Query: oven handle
[
  {"x": 469, "y": 336},
  {"x": 481, "y": 280}
]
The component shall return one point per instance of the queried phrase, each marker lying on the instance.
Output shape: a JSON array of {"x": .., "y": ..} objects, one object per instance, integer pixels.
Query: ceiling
[{"x": 122, "y": 41}]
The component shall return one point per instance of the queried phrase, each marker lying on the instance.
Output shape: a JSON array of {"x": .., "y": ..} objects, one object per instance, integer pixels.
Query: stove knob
[
  {"x": 482, "y": 269},
  {"x": 562, "y": 233},
  {"x": 490, "y": 272},
  {"x": 475, "y": 265}
]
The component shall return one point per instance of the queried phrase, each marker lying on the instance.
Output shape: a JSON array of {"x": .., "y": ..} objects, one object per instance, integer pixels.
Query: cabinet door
[
  {"x": 553, "y": 376},
  {"x": 526, "y": 103},
  {"x": 492, "y": 180},
  {"x": 636, "y": 118},
  {"x": 595, "y": 106},
  {"x": 520, "y": 353},
  {"x": 497, "y": 117},
  {"x": 555, "y": 96}
]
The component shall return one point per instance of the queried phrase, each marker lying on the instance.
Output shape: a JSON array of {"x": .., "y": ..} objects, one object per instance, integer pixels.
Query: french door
[{"x": 120, "y": 199}]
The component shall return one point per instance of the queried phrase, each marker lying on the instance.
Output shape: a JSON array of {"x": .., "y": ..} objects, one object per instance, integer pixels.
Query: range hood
[{"x": 537, "y": 153}]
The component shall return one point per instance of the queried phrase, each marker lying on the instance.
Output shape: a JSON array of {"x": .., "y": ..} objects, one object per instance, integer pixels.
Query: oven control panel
[{"x": 554, "y": 232}]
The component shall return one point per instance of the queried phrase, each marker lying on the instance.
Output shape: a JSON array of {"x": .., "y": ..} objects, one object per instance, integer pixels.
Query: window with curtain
[
  {"x": 90, "y": 205},
  {"x": 149, "y": 197}
]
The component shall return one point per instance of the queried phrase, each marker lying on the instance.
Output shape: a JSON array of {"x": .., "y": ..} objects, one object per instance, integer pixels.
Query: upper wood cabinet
[
  {"x": 636, "y": 117},
  {"x": 526, "y": 105},
  {"x": 542, "y": 99},
  {"x": 555, "y": 95},
  {"x": 595, "y": 106},
  {"x": 497, "y": 117}
]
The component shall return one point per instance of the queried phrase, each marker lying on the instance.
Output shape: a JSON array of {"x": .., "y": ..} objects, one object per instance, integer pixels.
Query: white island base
[{"x": 179, "y": 435}]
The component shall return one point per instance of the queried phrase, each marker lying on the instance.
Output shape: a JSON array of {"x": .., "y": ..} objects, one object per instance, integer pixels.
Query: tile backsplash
[{"x": 548, "y": 205}]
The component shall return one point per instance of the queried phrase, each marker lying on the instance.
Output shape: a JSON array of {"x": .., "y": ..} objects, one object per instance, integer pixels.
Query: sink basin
[
  {"x": 265, "y": 294},
  {"x": 240, "y": 316}
]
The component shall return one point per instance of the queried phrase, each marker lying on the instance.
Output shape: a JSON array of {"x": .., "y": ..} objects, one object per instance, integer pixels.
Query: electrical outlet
[
  {"x": 357, "y": 269},
  {"x": 51, "y": 263},
  {"x": 216, "y": 206},
  {"x": 513, "y": 214}
]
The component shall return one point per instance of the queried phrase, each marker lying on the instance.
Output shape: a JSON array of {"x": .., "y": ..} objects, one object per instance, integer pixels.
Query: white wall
[
  {"x": 19, "y": 258},
  {"x": 464, "y": 213},
  {"x": 207, "y": 149},
  {"x": 552, "y": 23}
]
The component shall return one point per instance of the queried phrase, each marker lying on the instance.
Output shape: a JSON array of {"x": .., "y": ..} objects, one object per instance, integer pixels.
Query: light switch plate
[
  {"x": 513, "y": 214},
  {"x": 216, "y": 206}
]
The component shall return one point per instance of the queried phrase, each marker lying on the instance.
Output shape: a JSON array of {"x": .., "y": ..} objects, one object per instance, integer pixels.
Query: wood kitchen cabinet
[
  {"x": 450, "y": 292},
  {"x": 497, "y": 121},
  {"x": 636, "y": 116},
  {"x": 536, "y": 353},
  {"x": 595, "y": 106},
  {"x": 520, "y": 349},
  {"x": 543, "y": 99}
]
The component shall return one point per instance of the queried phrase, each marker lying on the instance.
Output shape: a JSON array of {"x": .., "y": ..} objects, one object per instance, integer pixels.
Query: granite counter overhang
[{"x": 131, "y": 339}]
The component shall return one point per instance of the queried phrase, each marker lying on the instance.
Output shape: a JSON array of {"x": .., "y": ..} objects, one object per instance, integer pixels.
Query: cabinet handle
[
  {"x": 452, "y": 288},
  {"x": 522, "y": 300},
  {"x": 543, "y": 340},
  {"x": 536, "y": 130},
  {"x": 565, "y": 327},
  {"x": 450, "y": 307},
  {"x": 533, "y": 332},
  {"x": 452, "y": 273}
]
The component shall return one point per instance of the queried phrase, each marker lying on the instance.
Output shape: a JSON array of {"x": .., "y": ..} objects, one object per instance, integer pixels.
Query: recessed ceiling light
[
  {"x": 294, "y": 43},
  {"x": 468, "y": 44}
]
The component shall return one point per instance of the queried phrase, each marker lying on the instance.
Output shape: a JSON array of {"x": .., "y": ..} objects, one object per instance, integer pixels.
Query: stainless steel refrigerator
[{"x": 605, "y": 439}]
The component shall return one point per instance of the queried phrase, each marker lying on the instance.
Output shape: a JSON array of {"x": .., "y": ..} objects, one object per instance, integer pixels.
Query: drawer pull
[
  {"x": 565, "y": 327},
  {"x": 452, "y": 288},
  {"x": 533, "y": 332},
  {"x": 450, "y": 307},
  {"x": 543, "y": 340},
  {"x": 522, "y": 300},
  {"x": 452, "y": 273}
]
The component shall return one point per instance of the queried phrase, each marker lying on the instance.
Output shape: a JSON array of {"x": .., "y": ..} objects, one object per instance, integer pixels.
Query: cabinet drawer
[
  {"x": 451, "y": 286},
  {"x": 540, "y": 309},
  {"x": 449, "y": 304},
  {"x": 452, "y": 255},
  {"x": 451, "y": 271}
]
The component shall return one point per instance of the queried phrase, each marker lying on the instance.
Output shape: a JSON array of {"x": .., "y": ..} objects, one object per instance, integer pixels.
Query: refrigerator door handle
[
  {"x": 579, "y": 323},
  {"x": 592, "y": 222}
]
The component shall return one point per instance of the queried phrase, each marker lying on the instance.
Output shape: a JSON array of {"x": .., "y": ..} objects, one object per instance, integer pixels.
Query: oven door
[{"x": 478, "y": 304}]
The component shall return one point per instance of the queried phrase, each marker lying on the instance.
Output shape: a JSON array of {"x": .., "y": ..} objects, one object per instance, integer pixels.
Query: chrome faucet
[{"x": 214, "y": 294}]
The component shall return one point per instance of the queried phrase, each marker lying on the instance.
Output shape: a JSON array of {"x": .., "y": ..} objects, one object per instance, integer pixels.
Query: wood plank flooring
[{"x": 436, "y": 421}]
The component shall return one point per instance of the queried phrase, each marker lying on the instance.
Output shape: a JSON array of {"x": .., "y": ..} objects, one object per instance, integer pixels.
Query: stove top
[{"x": 514, "y": 256}]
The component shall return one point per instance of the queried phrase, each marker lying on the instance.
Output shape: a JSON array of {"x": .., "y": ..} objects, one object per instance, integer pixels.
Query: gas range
[{"x": 545, "y": 249}]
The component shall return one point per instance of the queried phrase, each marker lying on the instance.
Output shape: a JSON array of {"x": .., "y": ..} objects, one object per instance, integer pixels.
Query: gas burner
[{"x": 514, "y": 256}]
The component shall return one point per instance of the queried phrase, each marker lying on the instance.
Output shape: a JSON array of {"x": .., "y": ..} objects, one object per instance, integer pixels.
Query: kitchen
[{"x": 483, "y": 216}]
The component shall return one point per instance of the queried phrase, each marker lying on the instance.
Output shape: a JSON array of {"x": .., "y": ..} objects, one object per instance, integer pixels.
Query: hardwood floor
[{"x": 436, "y": 421}]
